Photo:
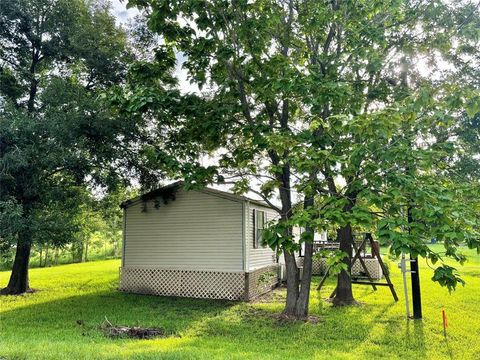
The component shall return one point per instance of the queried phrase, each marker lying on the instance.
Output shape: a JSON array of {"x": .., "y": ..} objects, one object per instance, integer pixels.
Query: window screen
[{"x": 258, "y": 226}]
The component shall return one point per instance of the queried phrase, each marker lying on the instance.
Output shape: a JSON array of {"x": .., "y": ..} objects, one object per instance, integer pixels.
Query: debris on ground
[{"x": 135, "y": 332}]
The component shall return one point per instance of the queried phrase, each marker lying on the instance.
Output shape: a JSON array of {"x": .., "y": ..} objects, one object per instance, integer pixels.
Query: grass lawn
[{"x": 43, "y": 325}]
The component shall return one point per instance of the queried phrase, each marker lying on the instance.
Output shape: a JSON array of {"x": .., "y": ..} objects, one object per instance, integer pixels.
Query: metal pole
[
  {"x": 416, "y": 296},
  {"x": 403, "y": 266}
]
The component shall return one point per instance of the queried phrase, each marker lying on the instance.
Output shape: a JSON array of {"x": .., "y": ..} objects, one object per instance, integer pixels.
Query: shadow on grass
[
  {"x": 90, "y": 310},
  {"x": 200, "y": 328},
  {"x": 411, "y": 340},
  {"x": 414, "y": 331},
  {"x": 251, "y": 333}
]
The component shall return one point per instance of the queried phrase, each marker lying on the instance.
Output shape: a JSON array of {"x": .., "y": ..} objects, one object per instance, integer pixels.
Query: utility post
[
  {"x": 410, "y": 171},
  {"x": 416, "y": 296},
  {"x": 415, "y": 276}
]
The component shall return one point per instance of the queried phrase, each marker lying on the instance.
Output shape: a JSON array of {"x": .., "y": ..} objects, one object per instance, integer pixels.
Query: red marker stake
[{"x": 445, "y": 322}]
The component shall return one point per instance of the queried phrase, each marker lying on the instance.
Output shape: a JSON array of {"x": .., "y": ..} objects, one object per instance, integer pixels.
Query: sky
[{"x": 123, "y": 15}]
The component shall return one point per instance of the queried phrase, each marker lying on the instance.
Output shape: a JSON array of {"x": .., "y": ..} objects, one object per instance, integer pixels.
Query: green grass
[{"x": 43, "y": 325}]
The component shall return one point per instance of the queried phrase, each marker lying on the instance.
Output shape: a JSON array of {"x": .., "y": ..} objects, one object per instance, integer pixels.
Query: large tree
[
  {"x": 315, "y": 102},
  {"x": 56, "y": 133}
]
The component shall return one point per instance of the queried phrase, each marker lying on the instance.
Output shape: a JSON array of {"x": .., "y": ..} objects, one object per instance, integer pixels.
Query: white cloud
[{"x": 121, "y": 13}]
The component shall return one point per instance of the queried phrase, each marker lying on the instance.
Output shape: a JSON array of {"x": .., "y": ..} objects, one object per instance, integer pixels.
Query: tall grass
[{"x": 45, "y": 324}]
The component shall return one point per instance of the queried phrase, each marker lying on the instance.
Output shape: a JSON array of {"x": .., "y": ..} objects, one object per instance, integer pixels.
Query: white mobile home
[{"x": 199, "y": 243}]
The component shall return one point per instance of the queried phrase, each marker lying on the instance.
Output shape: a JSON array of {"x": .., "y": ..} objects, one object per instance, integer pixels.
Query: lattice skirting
[
  {"x": 198, "y": 284},
  {"x": 372, "y": 265},
  {"x": 260, "y": 281},
  {"x": 185, "y": 283},
  {"x": 319, "y": 266}
]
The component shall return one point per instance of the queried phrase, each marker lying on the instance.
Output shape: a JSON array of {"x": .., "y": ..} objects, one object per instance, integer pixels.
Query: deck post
[{"x": 247, "y": 286}]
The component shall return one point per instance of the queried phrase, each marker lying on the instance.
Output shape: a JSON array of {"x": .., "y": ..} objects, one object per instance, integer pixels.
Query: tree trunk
[
  {"x": 298, "y": 295},
  {"x": 33, "y": 81},
  {"x": 292, "y": 284},
  {"x": 56, "y": 256},
  {"x": 344, "y": 295},
  {"x": 301, "y": 309},
  {"x": 32, "y": 94},
  {"x": 46, "y": 256},
  {"x": 77, "y": 252},
  {"x": 290, "y": 262},
  {"x": 86, "y": 250},
  {"x": 40, "y": 261},
  {"x": 18, "y": 283}
]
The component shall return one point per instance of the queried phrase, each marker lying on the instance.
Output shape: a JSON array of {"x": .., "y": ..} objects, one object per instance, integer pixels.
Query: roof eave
[{"x": 215, "y": 192}]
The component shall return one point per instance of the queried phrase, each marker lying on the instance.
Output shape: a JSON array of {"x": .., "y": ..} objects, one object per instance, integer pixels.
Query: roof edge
[{"x": 179, "y": 185}]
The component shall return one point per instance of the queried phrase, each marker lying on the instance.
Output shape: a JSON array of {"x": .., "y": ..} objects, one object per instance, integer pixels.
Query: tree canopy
[
  {"x": 57, "y": 134},
  {"x": 351, "y": 108}
]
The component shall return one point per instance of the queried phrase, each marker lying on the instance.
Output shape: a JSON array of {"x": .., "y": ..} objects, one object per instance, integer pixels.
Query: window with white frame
[{"x": 258, "y": 226}]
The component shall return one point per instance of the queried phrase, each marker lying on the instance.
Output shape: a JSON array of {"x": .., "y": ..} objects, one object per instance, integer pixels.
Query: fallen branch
[{"x": 132, "y": 332}]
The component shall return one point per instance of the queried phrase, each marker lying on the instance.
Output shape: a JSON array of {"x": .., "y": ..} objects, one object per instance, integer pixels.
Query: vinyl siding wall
[
  {"x": 260, "y": 257},
  {"x": 197, "y": 231}
]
